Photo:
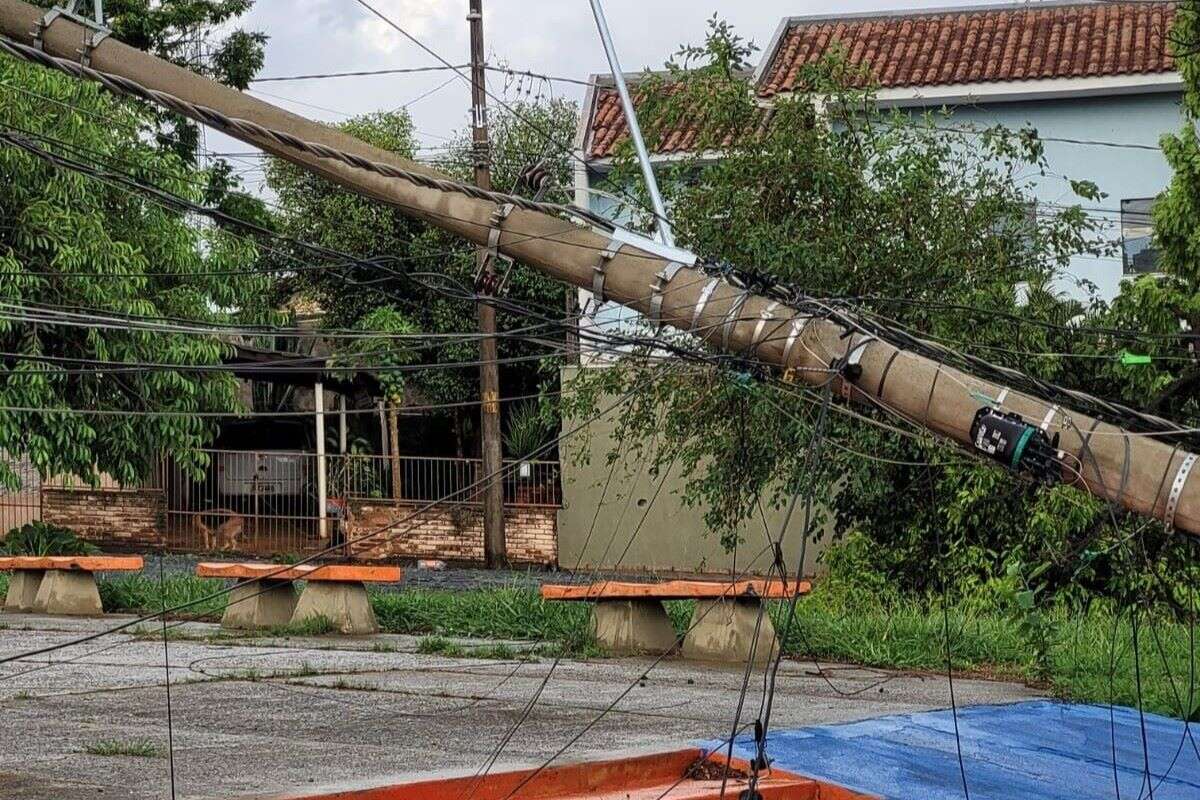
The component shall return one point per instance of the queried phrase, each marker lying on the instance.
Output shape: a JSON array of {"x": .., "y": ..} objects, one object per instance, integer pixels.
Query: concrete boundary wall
[{"x": 674, "y": 537}]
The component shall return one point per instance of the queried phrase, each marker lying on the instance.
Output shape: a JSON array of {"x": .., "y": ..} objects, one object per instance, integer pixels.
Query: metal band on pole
[
  {"x": 1177, "y": 485},
  {"x": 705, "y": 294},
  {"x": 765, "y": 316},
  {"x": 606, "y": 255},
  {"x": 731, "y": 319},
  {"x": 661, "y": 279},
  {"x": 793, "y": 338}
]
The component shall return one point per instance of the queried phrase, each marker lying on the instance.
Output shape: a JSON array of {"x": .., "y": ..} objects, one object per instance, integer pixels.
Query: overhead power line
[
  {"x": 735, "y": 308},
  {"x": 246, "y": 128},
  {"x": 316, "y": 76},
  {"x": 365, "y": 73}
]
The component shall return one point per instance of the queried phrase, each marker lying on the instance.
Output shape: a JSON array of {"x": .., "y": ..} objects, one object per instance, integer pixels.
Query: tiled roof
[
  {"x": 608, "y": 128},
  {"x": 990, "y": 44},
  {"x": 1031, "y": 42}
]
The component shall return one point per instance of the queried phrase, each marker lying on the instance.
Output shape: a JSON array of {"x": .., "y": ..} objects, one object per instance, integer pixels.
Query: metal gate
[{"x": 24, "y": 504}]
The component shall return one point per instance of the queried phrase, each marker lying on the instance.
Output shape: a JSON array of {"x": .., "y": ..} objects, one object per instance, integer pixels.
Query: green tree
[
  {"x": 896, "y": 213},
  {"x": 202, "y": 36},
  {"x": 73, "y": 242},
  {"x": 319, "y": 212}
]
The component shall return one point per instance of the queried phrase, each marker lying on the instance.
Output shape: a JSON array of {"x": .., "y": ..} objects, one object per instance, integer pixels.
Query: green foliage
[
  {"x": 316, "y": 625},
  {"x": 198, "y": 35},
  {"x": 920, "y": 220},
  {"x": 313, "y": 209},
  {"x": 44, "y": 539},
  {"x": 381, "y": 351},
  {"x": 141, "y": 594},
  {"x": 511, "y": 613},
  {"x": 72, "y": 241},
  {"x": 528, "y": 430}
]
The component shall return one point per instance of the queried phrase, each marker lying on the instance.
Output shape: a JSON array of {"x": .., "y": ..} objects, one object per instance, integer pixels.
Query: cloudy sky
[{"x": 554, "y": 37}]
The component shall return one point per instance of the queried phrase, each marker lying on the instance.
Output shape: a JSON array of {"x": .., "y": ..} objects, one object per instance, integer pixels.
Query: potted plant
[{"x": 527, "y": 432}]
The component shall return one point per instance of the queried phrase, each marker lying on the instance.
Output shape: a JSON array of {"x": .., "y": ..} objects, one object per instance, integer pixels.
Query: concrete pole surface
[{"x": 1136, "y": 471}]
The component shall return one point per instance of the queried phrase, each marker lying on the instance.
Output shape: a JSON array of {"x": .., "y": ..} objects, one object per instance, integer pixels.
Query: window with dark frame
[{"x": 1138, "y": 254}]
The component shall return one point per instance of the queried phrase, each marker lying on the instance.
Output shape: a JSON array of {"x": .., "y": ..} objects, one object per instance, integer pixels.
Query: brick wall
[
  {"x": 111, "y": 516},
  {"x": 454, "y": 534}
]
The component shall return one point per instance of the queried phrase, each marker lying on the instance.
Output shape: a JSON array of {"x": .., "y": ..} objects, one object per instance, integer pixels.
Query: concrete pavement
[{"x": 260, "y": 715}]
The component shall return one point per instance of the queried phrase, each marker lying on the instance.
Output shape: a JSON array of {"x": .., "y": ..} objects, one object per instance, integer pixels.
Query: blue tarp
[{"x": 1037, "y": 750}]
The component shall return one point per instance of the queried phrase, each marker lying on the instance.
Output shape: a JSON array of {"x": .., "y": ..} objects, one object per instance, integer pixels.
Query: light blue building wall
[{"x": 1113, "y": 143}]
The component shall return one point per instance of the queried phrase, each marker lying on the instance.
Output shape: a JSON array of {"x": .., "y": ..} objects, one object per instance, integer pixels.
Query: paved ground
[{"x": 261, "y": 716}]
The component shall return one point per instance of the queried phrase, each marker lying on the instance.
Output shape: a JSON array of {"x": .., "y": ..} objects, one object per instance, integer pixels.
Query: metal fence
[
  {"x": 24, "y": 503},
  {"x": 266, "y": 502},
  {"x": 425, "y": 479}
]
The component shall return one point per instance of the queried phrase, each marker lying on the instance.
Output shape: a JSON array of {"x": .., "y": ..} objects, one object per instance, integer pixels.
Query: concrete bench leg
[
  {"x": 22, "y": 590},
  {"x": 68, "y": 593},
  {"x": 723, "y": 630},
  {"x": 344, "y": 603},
  {"x": 632, "y": 626},
  {"x": 260, "y": 604}
]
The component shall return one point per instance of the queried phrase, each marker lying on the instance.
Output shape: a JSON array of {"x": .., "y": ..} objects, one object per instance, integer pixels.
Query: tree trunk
[{"x": 394, "y": 446}]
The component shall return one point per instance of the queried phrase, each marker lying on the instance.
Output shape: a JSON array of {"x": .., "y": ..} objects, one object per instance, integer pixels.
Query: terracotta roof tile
[
  {"x": 983, "y": 45},
  {"x": 929, "y": 49},
  {"x": 609, "y": 130}
]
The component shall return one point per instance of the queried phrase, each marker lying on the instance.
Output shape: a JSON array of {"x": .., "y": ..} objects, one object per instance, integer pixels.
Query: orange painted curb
[
  {"x": 675, "y": 590},
  {"x": 73, "y": 563},
  {"x": 346, "y": 573},
  {"x": 674, "y": 775}
]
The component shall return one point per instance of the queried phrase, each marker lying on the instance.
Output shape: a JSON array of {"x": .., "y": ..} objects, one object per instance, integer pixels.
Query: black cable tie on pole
[
  {"x": 886, "y": 369},
  {"x": 848, "y": 366}
]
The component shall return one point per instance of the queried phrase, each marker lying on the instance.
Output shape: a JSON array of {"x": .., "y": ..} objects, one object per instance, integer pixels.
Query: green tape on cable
[
  {"x": 1129, "y": 359},
  {"x": 1019, "y": 450}
]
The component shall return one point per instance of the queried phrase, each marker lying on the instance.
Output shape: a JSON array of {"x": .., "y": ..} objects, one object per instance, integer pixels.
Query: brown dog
[{"x": 226, "y": 535}]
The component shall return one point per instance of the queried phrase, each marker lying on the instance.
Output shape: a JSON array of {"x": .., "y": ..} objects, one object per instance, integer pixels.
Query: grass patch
[
  {"x": 318, "y": 625},
  {"x": 138, "y": 594},
  {"x": 138, "y": 748},
  {"x": 437, "y": 645},
  {"x": 508, "y": 613},
  {"x": 4, "y": 584},
  {"x": 896, "y": 633}
]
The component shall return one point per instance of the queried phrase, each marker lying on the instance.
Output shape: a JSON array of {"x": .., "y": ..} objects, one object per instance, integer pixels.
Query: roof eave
[{"x": 1024, "y": 90}]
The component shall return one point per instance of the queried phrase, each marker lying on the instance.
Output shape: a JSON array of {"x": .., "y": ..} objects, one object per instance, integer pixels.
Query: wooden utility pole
[
  {"x": 1145, "y": 475},
  {"x": 494, "y": 551}
]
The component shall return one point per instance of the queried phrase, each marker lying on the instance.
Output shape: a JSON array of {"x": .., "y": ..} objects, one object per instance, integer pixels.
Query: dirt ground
[{"x": 257, "y": 716}]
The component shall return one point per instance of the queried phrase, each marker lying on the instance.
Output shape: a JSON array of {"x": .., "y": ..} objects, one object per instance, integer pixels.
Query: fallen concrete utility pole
[{"x": 1140, "y": 473}]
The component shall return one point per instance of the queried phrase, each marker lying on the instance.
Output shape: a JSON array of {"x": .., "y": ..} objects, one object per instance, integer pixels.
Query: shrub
[{"x": 43, "y": 539}]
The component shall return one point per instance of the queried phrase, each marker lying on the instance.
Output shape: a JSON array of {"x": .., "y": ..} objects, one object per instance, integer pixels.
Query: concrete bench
[
  {"x": 60, "y": 584},
  {"x": 630, "y": 617},
  {"x": 267, "y": 598}
]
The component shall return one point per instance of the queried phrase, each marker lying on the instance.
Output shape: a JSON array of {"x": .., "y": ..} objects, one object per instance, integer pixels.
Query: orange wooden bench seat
[
  {"x": 74, "y": 563},
  {"x": 726, "y": 626},
  {"x": 265, "y": 598},
  {"x": 676, "y": 590},
  {"x": 305, "y": 572},
  {"x": 60, "y": 584}
]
